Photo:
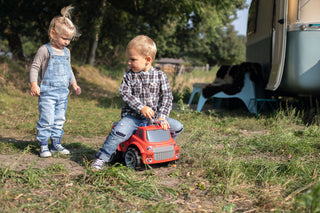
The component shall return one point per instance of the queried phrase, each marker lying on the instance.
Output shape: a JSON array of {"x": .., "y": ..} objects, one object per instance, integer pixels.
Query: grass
[{"x": 230, "y": 161}]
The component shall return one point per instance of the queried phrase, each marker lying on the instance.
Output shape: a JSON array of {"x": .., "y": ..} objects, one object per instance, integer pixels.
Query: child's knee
[
  {"x": 178, "y": 127},
  {"x": 177, "y": 132},
  {"x": 118, "y": 134}
]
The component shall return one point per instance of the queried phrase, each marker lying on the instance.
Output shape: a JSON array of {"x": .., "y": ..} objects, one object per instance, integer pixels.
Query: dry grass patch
[{"x": 93, "y": 76}]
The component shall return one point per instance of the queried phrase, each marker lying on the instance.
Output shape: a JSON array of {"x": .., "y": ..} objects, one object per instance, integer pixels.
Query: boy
[{"x": 146, "y": 94}]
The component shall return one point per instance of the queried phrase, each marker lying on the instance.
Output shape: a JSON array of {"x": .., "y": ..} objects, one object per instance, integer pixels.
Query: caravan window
[
  {"x": 252, "y": 17},
  {"x": 303, "y": 12}
]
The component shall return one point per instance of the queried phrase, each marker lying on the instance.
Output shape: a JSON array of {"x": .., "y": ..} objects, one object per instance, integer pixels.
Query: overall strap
[
  {"x": 65, "y": 51},
  {"x": 49, "y": 48}
]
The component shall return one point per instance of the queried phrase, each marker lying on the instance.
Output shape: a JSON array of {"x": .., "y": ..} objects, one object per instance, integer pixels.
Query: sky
[{"x": 240, "y": 24}]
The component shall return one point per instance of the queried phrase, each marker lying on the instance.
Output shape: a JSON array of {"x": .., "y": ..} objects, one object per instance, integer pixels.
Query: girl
[{"x": 52, "y": 65}]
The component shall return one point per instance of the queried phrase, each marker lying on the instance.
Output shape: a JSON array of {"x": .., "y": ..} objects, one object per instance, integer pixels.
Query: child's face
[
  {"x": 61, "y": 40},
  {"x": 138, "y": 62}
]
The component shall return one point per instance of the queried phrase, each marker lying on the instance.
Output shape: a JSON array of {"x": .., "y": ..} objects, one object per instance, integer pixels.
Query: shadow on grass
[
  {"x": 119, "y": 161},
  {"x": 11, "y": 145},
  {"x": 105, "y": 98},
  {"x": 79, "y": 152},
  {"x": 305, "y": 109},
  {"x": 232, "y": 107}
]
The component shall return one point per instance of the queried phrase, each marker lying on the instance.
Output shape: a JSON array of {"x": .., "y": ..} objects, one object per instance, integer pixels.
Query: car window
[{"x": 158, "y": 135}]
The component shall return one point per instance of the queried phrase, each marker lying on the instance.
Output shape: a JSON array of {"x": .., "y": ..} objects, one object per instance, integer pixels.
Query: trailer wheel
[{"x": 133, "y": 159}]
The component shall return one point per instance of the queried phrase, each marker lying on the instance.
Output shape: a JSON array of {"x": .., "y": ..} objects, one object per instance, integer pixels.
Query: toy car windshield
[{"x": 158, "y": 135}]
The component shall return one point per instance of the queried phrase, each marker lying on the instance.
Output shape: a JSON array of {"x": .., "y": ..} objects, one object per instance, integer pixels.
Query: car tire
[{"x": 132, "y": 158}]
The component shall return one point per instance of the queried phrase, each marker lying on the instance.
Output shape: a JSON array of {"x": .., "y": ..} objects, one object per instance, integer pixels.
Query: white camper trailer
[{"x": 284, "y": 37}]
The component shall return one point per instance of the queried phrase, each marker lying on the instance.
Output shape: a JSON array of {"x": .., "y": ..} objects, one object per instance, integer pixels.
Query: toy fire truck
[{"x": 150, "y": 144}]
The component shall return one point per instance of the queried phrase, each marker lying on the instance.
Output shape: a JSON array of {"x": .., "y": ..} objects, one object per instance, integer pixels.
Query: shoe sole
[
  {"x": 63, "y": 152},
  {"x": 95, "y": 169},
  {"x": 45, "y": 155}
]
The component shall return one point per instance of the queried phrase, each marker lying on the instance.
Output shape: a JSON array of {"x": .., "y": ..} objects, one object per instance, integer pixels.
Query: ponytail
[{"x": 63, "y": 23}]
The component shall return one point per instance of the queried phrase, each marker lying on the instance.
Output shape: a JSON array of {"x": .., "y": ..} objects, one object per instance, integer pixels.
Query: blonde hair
[
  {"x": 144, "y": 45},
  {"x": 63, "y": 24}
]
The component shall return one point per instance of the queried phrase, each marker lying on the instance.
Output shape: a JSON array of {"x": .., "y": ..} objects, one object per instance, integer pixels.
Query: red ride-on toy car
[{"x": 150, "y": 144}]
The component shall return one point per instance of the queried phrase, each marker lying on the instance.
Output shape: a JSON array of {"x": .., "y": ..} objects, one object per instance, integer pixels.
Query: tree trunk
[
  {"x": 95, "y": 36},
  {"x": 92, "y": 50},
  {"x": 15, "y": 45}
]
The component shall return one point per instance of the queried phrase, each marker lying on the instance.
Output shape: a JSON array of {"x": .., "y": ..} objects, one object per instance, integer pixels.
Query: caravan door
[{"x": 279, "y": 38}]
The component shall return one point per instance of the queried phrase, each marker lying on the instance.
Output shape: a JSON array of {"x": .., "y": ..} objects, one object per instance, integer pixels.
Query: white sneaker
[
  {"x": 59, "y": 148},
  {"x": 44, "y": 151},
  {"x": 98, "y": 164}
]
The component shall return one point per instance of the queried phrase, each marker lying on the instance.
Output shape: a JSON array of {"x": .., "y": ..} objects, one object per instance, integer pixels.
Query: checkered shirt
[{"x": 150, "y": 88}]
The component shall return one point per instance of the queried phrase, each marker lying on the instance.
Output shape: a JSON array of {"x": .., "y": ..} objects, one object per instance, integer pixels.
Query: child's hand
[
  {"x": 76, "y": 88},
  {"x": 147, "y": 112},
  {"x": 164, "y": 123},
  {"x": 35, "y": 89}
]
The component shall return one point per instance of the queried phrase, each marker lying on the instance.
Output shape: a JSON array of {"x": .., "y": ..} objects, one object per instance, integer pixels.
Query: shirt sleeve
[
  {"x": 73, "y": 78},
  {"x": 165, "y": 100},
  {"x": 126, "y": 94},
  {"x": 37, "y": 64}
]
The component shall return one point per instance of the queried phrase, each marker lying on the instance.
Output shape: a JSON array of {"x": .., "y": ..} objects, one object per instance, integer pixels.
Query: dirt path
[
  {"x": 197, "y": 200},
  {"x": 75, "y": 166},
  {"x": 73, "y": 163},
  {"x": 18, "y": 161}
]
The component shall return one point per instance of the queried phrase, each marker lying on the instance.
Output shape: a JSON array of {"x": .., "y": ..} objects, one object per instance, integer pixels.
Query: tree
[
  {"x": 181, "y": 28},
  {"x": 95, "y": 31},
  {"x": 228, "y": 49},
  {"x": 12, "y": 23},
  {"x": 210, "y": 30},
  {"x": 27, "y": 18}
]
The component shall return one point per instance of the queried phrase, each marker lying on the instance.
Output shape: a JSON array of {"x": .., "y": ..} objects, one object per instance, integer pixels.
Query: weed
[{"x": 229, "y": 161}]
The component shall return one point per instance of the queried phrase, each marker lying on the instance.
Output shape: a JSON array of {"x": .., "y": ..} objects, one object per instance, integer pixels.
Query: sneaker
[
  {"x": 44, "y": 151},
  {"x": 59, "y": 148},
  {"x": 98, "y": 164}
]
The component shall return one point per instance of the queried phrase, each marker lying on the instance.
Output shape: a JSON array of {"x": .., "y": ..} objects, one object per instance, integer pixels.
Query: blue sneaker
[
  {"x": 44, "y": 151},
  {"x": 57, "y": 147}
]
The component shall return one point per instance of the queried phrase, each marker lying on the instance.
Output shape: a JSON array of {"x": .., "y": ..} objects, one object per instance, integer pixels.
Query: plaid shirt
[{"x": 150, "y": 88}]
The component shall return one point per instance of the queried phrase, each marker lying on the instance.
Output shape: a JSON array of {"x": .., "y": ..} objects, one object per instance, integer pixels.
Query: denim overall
[{"x": 53, "y": 97}]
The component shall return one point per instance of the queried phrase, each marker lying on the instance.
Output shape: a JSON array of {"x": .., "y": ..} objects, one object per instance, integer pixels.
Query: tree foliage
[{"x": 198, "y": 30}]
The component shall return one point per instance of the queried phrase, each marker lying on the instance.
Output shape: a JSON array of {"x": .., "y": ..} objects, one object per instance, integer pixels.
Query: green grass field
[{"x": 230, "y": 161}]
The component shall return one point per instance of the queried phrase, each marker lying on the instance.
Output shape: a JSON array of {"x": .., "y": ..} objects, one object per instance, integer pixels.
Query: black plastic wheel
[
  {"x": 116, "y": 157},
  {"x": 132, "y": 158}
]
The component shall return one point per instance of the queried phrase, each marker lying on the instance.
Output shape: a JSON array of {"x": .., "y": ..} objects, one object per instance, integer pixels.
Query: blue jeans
[
  {"x": 123, "y": 131},
  {"x": 52, "y": 110}
]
